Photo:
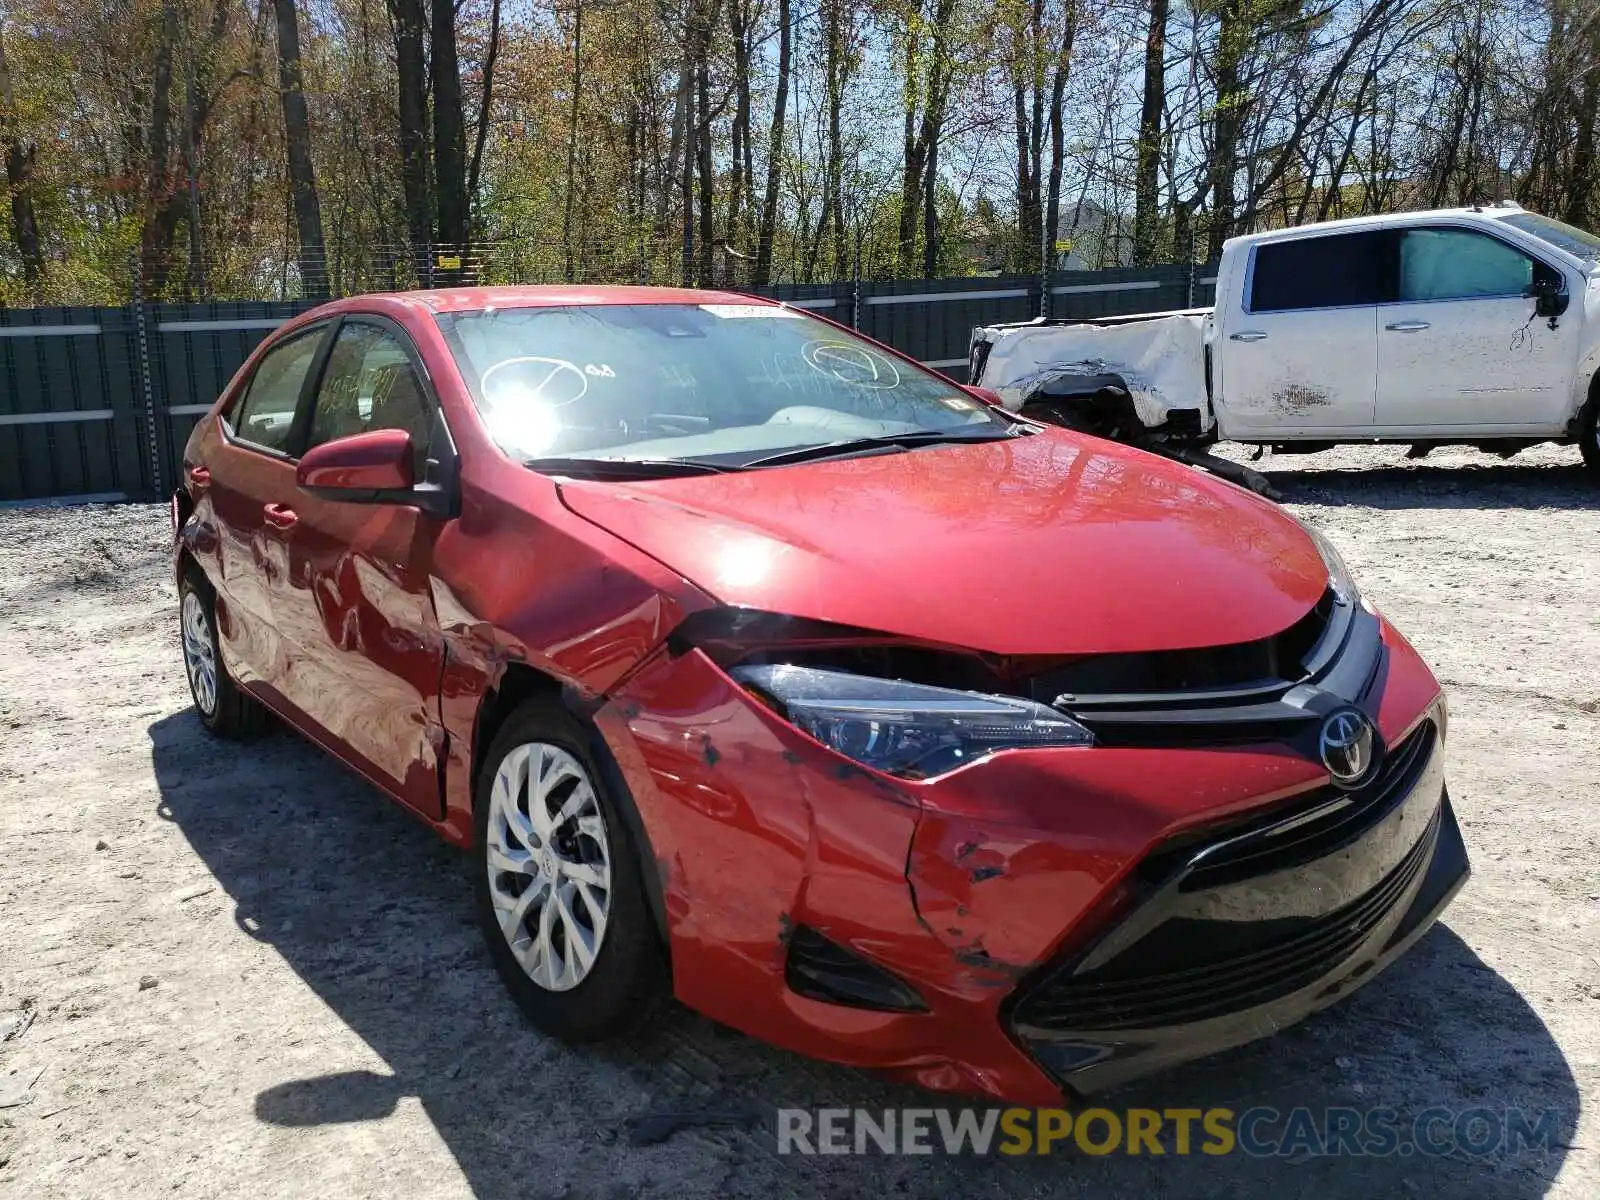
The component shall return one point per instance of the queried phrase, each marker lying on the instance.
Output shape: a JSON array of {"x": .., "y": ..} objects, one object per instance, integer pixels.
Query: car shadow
[
  {"x": 1488, "y": 484},
  {"x": 374, "y": 914}
]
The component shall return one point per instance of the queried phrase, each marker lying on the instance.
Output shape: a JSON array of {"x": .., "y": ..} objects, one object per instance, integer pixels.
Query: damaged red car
[{"x": 756, "y": 665}]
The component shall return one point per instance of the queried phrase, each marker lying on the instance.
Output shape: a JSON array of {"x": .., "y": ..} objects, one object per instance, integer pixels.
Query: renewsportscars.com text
[{"x": 1257, "y": 1132}]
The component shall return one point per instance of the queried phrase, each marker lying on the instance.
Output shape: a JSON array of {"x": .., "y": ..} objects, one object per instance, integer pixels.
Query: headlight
[
  {"x": 1339, "y": 578},
  {"x": 906, "y": 728}
]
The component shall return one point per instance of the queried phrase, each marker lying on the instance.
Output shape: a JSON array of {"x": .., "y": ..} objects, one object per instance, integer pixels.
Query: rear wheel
[
  {"x": 560, "y": 900},
  {"x": 221, "y": 706}
]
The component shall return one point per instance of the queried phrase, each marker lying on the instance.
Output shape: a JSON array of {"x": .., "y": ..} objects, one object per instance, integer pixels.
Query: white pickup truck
[{"x": 1473, "y": 325}]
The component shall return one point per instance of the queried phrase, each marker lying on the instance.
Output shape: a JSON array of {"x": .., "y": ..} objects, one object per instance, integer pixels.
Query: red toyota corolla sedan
[{"x": 757, "y": 665}]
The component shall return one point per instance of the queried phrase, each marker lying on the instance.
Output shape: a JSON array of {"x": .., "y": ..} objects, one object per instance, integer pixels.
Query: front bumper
[
  {"x": 1251, "y": 929},
  {"x": 1022, "y": 899}
]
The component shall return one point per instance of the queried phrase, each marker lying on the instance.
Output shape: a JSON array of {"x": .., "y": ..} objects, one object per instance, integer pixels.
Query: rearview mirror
[{"x": 372, "y": 467}]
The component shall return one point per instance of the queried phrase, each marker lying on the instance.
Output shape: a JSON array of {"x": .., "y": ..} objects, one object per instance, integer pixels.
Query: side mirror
[
  {"x": 987, "y": 395},
  {"x": 373, "y": 468},
  {"x": 1550, "y": 298}
]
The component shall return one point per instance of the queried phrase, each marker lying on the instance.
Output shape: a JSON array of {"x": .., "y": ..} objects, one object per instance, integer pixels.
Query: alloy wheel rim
[
  {"x": 548, "y": 857},
  {"x": 199, "y": 655}
]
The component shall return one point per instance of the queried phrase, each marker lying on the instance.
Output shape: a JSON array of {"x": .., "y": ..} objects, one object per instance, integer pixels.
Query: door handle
[
  {"x": 279, "y": 516},
  {"x": 1248, "y": 335},
  {"x": 200, "y": 476},
  {"x": 1408, "y": 326}
]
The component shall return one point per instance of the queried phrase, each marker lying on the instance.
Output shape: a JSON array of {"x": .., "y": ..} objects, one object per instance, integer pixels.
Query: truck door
[
  {"x": 1460, "y": 345},
  {"x": 1298, "y": 347}
]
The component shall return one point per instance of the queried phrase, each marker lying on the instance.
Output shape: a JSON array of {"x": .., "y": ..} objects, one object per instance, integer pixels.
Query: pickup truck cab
[{"x": 1474, "y": 325}]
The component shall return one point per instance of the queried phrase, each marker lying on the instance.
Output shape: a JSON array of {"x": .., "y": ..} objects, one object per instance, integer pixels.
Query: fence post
[
  {"x": 146, "y": 384},
  {"x": 855, "y": 289},
  {"x": 1189, "y": 262}
]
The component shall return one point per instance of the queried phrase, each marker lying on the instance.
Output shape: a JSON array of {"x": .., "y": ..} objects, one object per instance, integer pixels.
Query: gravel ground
[{"x": 232, "y": 970}]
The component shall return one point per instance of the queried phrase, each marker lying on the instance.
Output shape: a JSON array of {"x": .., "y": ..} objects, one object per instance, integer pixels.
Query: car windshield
[
  {"x": 720, "y": 383},
  {"x": 1575, "y": 241}
]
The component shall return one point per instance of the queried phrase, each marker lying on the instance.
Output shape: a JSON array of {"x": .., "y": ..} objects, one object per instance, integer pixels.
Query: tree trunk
[
  {"x": 297, "y": 138},
  {"x": 835, "y": 49},
  {"x": 449, "y": 130},
  {"x": 19, "y": 156},
  {"x": 769, "y": 202},
  {"x": 1580, "y": 193},
  {"x": 570, "y": 186},
  {"x": 410, "y": 24},
  {"x": 1227, "y": 122},
  {"x": 1058, "y": 137},
  {"x": 1147, "y": 180},
  {"x": 914, "y": 155},
  {"x": 164, "y": 205},
  {"x": 485, "y": 102},
  {"x": 681, "y": 157},
  {"x": 702, "y": 139},
  {"x": 741, "y": 195}
]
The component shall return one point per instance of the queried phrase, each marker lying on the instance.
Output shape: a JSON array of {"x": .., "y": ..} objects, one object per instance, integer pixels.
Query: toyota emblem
[{"x": 1347, "y": 746}]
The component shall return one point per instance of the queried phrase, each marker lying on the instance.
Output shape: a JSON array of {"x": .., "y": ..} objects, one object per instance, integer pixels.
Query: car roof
[
  {"x": 474, "y": 299},
  {"x": 1488, "y": 212}
]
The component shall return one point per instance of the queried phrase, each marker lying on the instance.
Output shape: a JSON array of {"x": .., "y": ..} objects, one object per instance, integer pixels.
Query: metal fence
[{"x": 96, "y": 403}]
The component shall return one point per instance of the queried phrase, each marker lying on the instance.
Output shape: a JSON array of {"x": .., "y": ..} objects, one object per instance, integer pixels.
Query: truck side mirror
[{"x": 1550, "y": 297}]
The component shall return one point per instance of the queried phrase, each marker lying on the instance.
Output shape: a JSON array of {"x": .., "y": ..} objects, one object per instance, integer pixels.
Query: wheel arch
[{"x": 520, "y": 683}]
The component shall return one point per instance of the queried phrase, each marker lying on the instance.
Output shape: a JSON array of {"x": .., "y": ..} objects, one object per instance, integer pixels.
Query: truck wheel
[{"x": 1589, "y": 439}]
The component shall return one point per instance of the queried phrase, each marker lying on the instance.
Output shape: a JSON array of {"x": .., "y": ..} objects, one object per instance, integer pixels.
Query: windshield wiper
[
  {"x": 624, "y": 468},
  {"x": 889, "y": 441}
]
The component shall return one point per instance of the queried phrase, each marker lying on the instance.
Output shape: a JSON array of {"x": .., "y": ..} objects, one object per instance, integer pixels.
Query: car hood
[{"x": 1050, "y": 544}]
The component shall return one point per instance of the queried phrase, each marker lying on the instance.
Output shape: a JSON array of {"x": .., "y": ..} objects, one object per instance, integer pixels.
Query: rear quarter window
[{"x": 263, "y": 414}]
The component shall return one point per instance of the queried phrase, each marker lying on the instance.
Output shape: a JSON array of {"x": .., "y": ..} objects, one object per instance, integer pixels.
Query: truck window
[
  {"x": 1318, "y": 272},
  {"x": 1460, "y": 264}
]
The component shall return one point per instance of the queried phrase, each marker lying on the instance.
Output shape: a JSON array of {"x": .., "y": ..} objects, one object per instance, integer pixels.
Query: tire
[
  {"x": 540, "y": 936},
  {"x": 1589, "y": 438},
  {"x": 221, "y": 706}
]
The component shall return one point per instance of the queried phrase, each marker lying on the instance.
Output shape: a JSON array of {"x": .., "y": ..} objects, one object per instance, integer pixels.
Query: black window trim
[
  {"x": 301, "y": 434},
  {"x": 1441, "y": 226},
  {"x": 441, "y": 497},
  {"x": 1394, "y": 233},
  {"x": 1250, "y": 273},
  {"x": 230, "y": 434}
]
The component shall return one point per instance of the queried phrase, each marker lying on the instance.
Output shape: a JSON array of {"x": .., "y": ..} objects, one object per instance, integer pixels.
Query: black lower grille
[{"x": 1092, "y": 1002}]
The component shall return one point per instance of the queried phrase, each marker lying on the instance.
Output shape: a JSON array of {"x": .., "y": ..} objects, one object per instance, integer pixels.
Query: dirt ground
[{"x": 235, "y": 970}]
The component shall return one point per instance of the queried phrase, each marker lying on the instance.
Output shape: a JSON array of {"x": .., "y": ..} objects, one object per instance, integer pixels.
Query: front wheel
[
  {"x": 560, "y": 899},
  {"x": 1589, "y": 439}
]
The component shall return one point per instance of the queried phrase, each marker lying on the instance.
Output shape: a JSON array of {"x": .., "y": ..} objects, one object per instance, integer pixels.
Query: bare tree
[
  {"x": 19, "y": 157},
  {"x": 297, "y": 141}
]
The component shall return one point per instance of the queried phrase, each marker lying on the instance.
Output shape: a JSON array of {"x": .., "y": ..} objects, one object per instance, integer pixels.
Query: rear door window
[
  {"x": 1337, "y": 271},
  {"x": 264, "y": 415}
]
